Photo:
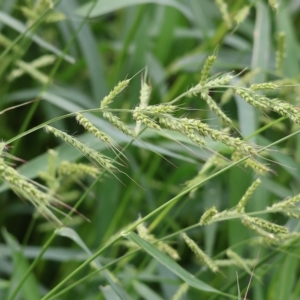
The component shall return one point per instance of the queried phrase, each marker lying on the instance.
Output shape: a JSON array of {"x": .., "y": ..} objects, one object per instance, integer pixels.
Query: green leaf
[
  {"x": 72, "y": 234},
  {"x": 30, "y": 289},
  {"x": 145, "y": 292},
  {"x": 106, "y": 6},
  {"x": 171, "y": 264}
]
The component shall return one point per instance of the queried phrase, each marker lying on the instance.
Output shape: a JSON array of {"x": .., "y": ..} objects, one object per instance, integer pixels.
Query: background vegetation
[{"x": 67, "y": 56}]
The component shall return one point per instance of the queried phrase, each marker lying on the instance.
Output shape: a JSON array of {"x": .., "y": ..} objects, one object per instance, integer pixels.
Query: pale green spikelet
[
  {"x": 219, "y": 81},
  {"x": 252, "y": 99},
  {"x": 242, "y": 81},
  {"x": 27, "y": 190},
  {"x": 247, "y": 221},
  {"x": 274, "y": 4},
  {"x": 206, "y": 69},
  {"x": 6, "y": 42},
  {"x": 255, "y": 165},
  {"x": 221, "y": 263},
  {"x": 242, "y": 14},
  {"x": 144, "y": 100},
  {"x": 117, "y": 90},
  {"x": 143, "y": 119},
  {"x": 272, "y": 227},
  {"x": 32, "y": 12},
  {"x": 183, "y": 288},
  {"x": 2, "y": 148},
  {"x": 238, "y": 260},
  {"x": 159, "y": 109},
  {"x": 95, "y": 156},
  {"x": 264, "y": 228},
  {"x": 264, "y": 86},
  {"x": 226, "y": 96},
  {"x": 145, "y": 94},
  {"x": 76, "y": 170},
  {"x": 208, "y": 215},
  {"x": 143, "y": 232},
  {"x": 286, "y": 110},
  {"x": 49, "y": 176},
  {"x": 179, "y": 126},
  {"x": 196, "y": 139},
  {"x": 240, "y": 208},
  {"x": 286, "y": 204},
  {"x": 31, "y": 69},
  {"x": 94, "y": 130},
  {"x": 280, "y": 52},
  {"x": 192, "y": 126},
  {"x": 119, "y": 124},
  {"x": 215, "y": 108},
  {"x": 281, "y": 107},
  {"x": 222, "y": 5},
  {"x": 200, "y": 254}
]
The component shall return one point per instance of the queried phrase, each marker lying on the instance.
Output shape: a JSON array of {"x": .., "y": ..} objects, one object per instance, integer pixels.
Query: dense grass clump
[{"x": 149, "y": 151}]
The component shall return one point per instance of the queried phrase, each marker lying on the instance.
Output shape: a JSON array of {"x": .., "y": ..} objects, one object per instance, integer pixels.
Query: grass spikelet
[
  {"x": 145, "y": 94},
  {"x": 274, "y": 4},
  {"x": 280, "y": 52},
  {"x": 207, "y": 216},
  {"x": 264, "y": 228},
  {"x": 242, "y": 81},
  {"x": 2, "y": 148},
  {"x": 49, "y": 176},
  {"x": 222, "y": 5},
  {"x": 143, "y": 232},
  {"x": 241, "y": 15},
  {"x": 95, "y": 131},
  {"x": 117, "y": 90},
  {"x": 27, "y": 190},
  {"x": 283, "y": 108},
  {"x": 272, "y": 227},
  {"x": 31, "y": 68},
  {"x": 288, "y": 203},
  {"x": 206, "y": 69},
  {"x": 239, "y": 261},
  {"x": 181, "y": 291},
  {"x": 76, "y": 170},
  {"x": 246, "y": 220},
  {"x": 215, "y": 108},
  {"x": 119, "y": 124},
  {"x": 144, "y": 100},
  {"x": 240, "y": 208},
  {"x": 218, "y": 81},
  {"x": 255, "y": 165},
  {"x": 95, "y": 156},
  {"x": 221, "y": 263},
  {"x": 139, "y": 117},
  {"x": 200, "y": 254},
  {"x": 190, "y": 126},
  {"x": 211, "y": 83},
  {"x": 252, "y": 99},
  {"x": 176, "y": 125},
  {"x": 264, "y": 86},
  {"x": 6, "y": 42},
  {"x": 159, "y": 109}
]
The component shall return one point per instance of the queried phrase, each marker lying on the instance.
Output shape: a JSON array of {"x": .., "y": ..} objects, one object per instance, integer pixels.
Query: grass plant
[{"x": 147, "y": 152}]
